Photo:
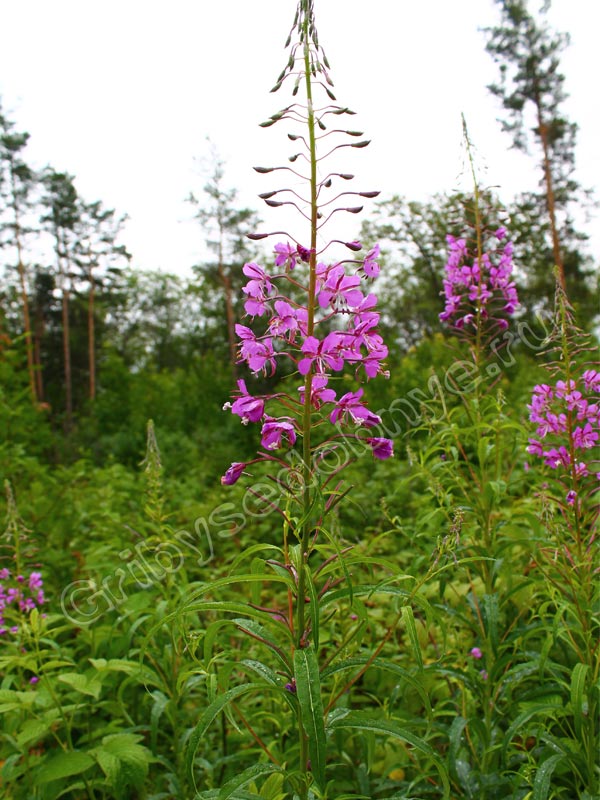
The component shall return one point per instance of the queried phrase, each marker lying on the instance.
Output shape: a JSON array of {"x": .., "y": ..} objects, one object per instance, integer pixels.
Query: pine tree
[
  {"x": 532, "y": 92},
  {"x": 62, "y": 216},
  {"x": 97, "y": 232},
  {"x": 18, "y": 182},
  {"x": 225, "y": 227}
]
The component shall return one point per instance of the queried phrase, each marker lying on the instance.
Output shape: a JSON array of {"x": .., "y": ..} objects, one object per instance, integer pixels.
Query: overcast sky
[{"x": 123, "y": 93}]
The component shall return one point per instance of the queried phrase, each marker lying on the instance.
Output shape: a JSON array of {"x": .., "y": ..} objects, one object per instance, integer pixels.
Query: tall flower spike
[{"x": 318, "y": 315}]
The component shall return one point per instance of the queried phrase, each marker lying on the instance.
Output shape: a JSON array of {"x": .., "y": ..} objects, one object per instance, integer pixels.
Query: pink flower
[
  {"x": 591, "y": 380},
  {"x": 555, "y": 458},
  {"x": 325, "y": 353},
  {"x": 476, "y": 652},
  {"x": 276, "y": 431},
  {"x": 340, "y": 289},
  {"x": 319, "y": 393},
  {"x": 585, "y": 437},
  {"x": 370, "y": 265},
  {"x": 35, "y": 581},
  {"x": 257, "y": 289},
  {"x": 351, "y": 409},
  {"x": 286, "y": 255},
  {"x": 257, "y": 352},
  {"x": 248, "y": 408},
  {"x": 288, "y": 320}
]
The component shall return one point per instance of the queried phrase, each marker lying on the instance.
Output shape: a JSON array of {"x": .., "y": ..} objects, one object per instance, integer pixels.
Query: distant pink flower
[
  {"x": 382, "y": 448},
  {"x": 479, "y": 290},
  {"x": 35, "y": 580},
  {"x": 476, "y": 652}
]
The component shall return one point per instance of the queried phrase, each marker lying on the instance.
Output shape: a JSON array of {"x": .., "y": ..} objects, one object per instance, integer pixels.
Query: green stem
[{"x": 306, "y": 531}]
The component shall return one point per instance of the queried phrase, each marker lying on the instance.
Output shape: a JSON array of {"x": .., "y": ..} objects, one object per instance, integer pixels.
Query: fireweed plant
[
  {"x": 319, "y": 316},
  {"x": 21, "y": 588},
  {"x": 469, "y": 463},
  {"x": 522, "y": 706},
  {"x": 564, "y": 415}
]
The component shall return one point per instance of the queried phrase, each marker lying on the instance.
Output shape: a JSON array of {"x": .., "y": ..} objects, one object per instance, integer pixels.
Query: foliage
[{"x": 332, "y": 624}]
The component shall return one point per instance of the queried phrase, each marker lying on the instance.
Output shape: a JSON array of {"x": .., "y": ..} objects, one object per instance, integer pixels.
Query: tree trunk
[
  {"x": 92, "y": 336},
  {"x": 229, "y": 313},
  {"x": 550, "y": 204},
  {"x": 24, "y": 296},
  {"x": 37, "y": 352},
  {"x": 63, "y": 260}
]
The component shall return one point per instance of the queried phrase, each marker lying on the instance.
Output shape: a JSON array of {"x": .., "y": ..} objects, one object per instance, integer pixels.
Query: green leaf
[
  {"x": 82, "y": 684},
  {"x": 524, "y": 717},
  {"x": 110, "y": 766},
  {"x": 308, "y": 689},
  {"x": 361, "y": 722},
  {"x": 133, "y": 758},
  {"x": 261, "y": 633},
  {"x": 387, "y": 665},
  {"x": 63, "y": 765},
  {"x": 208, "y": 717},
  {"x": 543, "y": 776},
  {"x": 491, "y": 615},
  {"x": 32, "y": 731},
  {"x": 160, "y": 703},
  {"x": 455, "y": 737},
  {"x": 255, "y": 771},
  {"x": 579, "y": 700},
  {"x": 409, "y": 622}
]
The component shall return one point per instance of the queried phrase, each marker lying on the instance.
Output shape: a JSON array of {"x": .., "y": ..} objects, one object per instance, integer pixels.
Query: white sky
[{"x": 123, "y": 93}]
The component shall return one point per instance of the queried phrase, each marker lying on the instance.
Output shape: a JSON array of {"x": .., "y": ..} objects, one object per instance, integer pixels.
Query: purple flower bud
[
  {"x": 476, "y": 652},
  {"x": 382, "y": 448},
  {"x": 304, "y": 253},
  {"x": 233, "y": 473}
]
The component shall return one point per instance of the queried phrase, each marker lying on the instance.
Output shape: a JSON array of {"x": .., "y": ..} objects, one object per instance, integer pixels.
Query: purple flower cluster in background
[
  {"x": 348, "y": 309},
  {"x": 479, "y": 290},
  {"x": 19, "y": 594},
  {"x": 567, "y": 419}
]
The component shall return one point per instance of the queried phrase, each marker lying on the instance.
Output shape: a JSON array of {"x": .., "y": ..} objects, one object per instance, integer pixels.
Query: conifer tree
[
  {"x": 62, "y": 216},
  {"x": 97, "y": 232},
  {"x": 532, "y": 92},
  {"x": 225, "y": 227},
  {"x": 17, "y": 181}
]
